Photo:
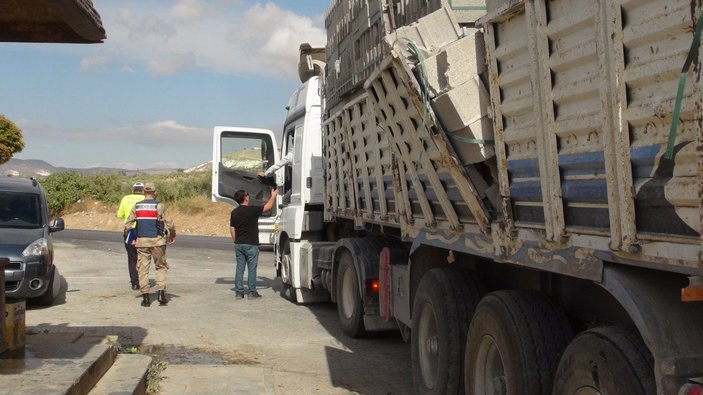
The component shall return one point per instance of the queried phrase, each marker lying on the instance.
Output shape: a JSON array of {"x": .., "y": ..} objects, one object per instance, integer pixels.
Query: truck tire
[
  {"x": 607, "y": 360},
  {"x": 514, "y": 344},
  {"x": 283, "y": 272},
  {"x": 349, "y": 307},
  {"x": 52, "y": 290},
  {"x": 444, "y": 303}
]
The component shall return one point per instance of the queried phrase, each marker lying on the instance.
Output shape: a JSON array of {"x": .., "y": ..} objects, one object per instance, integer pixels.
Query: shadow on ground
[{"x": 382, "y": 358}]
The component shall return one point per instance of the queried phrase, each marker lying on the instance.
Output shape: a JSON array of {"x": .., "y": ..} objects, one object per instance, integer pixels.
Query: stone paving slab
[
  {"x": 216, "y": 379},
  {"x": 55, "y": 364},
  {"x": 126, "y": 376}
]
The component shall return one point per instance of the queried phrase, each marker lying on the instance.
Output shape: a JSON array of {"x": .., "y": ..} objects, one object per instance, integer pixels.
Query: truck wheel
[
  {"x": 285, "y": 271},
  {"x": 52, "y": 290},
  {"x": 349, "y": 307},
  {"x": 285, "y": 263},
  {"x": 608, "y": 360},
  {"x": 514, "y": 343},
  {"x": 444, "y": 303}
]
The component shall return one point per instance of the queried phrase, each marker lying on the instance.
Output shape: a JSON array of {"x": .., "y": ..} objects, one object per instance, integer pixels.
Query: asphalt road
[
  {"x": 300, "y": 347},
  {"x": 86, "y": 237}
]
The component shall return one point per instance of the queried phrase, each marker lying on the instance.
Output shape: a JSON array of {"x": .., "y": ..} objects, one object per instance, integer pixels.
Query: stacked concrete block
[
  {"x": 454, "y": 57},
  {"x": 457, "y": 63},
  {"x": 430, "y": 33},
  {"x": 463, "y": 113}
]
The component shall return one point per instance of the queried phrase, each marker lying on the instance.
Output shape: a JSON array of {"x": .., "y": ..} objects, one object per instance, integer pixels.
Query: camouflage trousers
[{"x": 144, "y": 257}]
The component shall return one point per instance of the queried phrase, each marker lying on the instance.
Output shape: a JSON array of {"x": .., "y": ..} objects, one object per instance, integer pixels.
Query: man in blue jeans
[{"x": 244, "y": 228}]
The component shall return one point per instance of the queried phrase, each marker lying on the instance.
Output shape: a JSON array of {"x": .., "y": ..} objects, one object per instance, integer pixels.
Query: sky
[{"x": 168, "y": 72}]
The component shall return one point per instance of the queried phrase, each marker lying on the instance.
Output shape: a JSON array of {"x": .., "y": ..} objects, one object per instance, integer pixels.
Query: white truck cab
[
  {"x": 239, "y": 153},
  {"x": 302, "y": 195}
]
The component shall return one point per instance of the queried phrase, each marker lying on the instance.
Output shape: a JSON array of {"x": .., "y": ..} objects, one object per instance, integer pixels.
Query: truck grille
[{"x": 11, "y": 285}]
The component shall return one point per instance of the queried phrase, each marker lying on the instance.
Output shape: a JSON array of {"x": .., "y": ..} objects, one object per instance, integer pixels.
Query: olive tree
[{"x": 11, "y": 140}]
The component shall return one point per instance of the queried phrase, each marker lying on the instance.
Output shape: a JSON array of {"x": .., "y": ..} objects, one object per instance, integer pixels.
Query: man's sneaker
[
  {"x": 254, "y": 295},
  {"x": 239, "y": 295}
]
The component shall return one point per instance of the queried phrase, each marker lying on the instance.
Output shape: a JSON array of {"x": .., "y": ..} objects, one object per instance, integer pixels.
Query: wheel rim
[
  {"x": 286, "y": 264},
  {"x": 285, "y": 269},
  {"x": 489, "y": 371},
  {"x": 348, "y": 290},
  {"x": 428, "y": 346}
]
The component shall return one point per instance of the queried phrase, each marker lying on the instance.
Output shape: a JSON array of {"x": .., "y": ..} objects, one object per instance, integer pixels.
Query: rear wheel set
[
  {"x": 514, "y": 344},
  {"x": 444, "y": 303}
]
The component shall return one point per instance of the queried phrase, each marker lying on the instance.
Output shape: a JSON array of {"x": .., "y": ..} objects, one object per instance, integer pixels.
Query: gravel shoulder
[{"x": 211, "y": 220}]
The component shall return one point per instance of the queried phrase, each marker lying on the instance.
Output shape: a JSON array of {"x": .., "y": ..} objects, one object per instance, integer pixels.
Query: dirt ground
[{"x": 212, "y": 220}]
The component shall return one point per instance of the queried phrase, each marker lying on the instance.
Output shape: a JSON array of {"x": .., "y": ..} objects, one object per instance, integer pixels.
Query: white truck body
[{"x": 496, "y": 184}]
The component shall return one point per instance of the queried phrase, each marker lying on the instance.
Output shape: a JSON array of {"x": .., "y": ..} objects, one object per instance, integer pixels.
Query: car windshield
[{"x": 19, "y": 210}]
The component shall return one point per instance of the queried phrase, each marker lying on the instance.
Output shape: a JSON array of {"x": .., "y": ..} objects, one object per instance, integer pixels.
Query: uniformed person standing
[
  {"x": 155, "y": 229},
  {"x": 123, "y": 211}
]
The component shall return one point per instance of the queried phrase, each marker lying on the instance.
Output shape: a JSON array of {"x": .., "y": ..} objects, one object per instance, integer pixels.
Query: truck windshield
[
  {"x": 19, "y": 210},
  {"x": 248, "y": 154}
]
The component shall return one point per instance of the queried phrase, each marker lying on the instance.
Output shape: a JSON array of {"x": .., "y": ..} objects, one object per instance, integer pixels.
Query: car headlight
[{"x": 37, "y": 248}]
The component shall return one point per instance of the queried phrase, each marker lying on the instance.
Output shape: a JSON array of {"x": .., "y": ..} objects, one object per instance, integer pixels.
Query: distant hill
[{"x": 39, "y": 168}]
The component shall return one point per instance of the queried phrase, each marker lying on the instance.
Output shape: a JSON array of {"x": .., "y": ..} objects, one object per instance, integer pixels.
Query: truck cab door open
[{"x": 239, "y": 154}]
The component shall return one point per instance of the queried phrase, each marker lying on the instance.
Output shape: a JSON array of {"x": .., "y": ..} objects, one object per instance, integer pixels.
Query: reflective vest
[{"x": 146, "y": 214}]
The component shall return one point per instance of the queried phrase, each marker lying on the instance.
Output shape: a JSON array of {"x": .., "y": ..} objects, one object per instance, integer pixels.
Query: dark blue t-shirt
[{"x": 245, "y": 221}]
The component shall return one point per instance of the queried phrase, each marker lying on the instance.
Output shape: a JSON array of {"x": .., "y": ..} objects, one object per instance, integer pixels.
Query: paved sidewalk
[
  {"x": 54, "y": 364},
  {"x": 217, "y": 379}
]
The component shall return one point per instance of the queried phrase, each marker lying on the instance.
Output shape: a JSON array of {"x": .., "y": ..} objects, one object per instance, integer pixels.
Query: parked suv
[{"x": 25, "y": 238}]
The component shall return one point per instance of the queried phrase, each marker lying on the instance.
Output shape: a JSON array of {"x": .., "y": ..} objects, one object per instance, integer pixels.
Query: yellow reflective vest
[{"x": 126, "y": 205}]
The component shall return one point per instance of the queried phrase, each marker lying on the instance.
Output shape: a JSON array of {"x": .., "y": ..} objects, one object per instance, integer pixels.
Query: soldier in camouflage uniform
[{"x": 155, "y": 229}]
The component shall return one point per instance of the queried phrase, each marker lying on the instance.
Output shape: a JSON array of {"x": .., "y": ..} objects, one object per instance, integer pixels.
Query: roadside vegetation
[
  {"x": 11, "y": 141},
  {"x": 186, "y": 191}
]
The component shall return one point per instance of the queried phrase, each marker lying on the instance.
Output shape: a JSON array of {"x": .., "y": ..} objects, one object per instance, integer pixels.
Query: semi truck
[{"x": 516, "y": 186}]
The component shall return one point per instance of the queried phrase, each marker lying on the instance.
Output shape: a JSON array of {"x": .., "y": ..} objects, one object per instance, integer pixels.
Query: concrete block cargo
[{"x": 501, "y": 179}]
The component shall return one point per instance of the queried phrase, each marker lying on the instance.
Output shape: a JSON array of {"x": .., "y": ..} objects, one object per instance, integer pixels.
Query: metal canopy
[{"x": 50, "y": 21}]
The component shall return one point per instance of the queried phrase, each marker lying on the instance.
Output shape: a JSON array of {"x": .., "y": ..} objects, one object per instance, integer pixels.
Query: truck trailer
[{"x": 516, "y": 186}]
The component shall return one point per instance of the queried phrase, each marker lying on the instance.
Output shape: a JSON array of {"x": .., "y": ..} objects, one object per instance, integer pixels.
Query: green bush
[
  {"x": 63, "y": 189},
  {"x": 66, "y": 188},
  {"x": 11, "y": 141}
]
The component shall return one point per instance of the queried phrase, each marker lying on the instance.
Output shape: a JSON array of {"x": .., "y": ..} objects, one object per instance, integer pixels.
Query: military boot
[
  {"x": 146, "y": 302},
  {"x": 162, "y": 297}
]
